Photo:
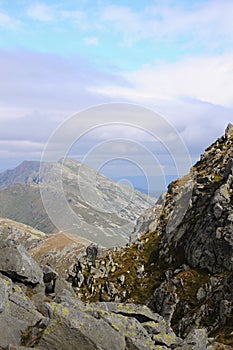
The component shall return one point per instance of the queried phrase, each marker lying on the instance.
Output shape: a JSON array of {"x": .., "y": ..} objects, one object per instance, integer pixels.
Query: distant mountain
[
  {"x": 78, "y": 200},
  {"x": 23, "y": 173}
]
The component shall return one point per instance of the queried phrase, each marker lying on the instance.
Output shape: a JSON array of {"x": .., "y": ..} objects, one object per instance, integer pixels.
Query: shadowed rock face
[
  {"x": 96, "y": 208},
  {"x": 205, "y": 233}
]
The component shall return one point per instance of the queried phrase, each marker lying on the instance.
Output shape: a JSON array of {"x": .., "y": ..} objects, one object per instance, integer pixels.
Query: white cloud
[
  {"x": 194, "y": 94},
  {"x": 209, "y": 22},
  {"x": 8, "y": 22},
  {"x": 208, "y": 79},
  {"x": 41, "y": 12},
  {"x": 91, "y": 41},
  {"x": 79, "y": 18}
]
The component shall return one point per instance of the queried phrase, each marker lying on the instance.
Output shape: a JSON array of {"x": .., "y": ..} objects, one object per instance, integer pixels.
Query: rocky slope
[
  {"x": 79, "y": 200},
  {"x": 171, "y": 287},
  {"x": 58, "y": 249},
  {"x": 180, "y": 259},
  {"x": 40, "y": 310}
]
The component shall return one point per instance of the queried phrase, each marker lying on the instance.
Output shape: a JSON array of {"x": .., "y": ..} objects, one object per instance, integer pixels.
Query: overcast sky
[{"x": 60, "y": 57}]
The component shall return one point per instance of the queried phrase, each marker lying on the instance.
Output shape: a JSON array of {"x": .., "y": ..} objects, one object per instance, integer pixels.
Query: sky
[{"x": 59, "y": 58}]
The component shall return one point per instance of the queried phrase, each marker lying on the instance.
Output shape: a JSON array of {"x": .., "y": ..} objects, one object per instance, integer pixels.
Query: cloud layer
[{"x": 174, "y": 57}]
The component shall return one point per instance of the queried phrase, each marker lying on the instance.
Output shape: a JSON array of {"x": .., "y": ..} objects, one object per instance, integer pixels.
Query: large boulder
[
  {"x": 73, "y": 328},
  {"x": 17, "y": 263},
  {"x": 105, "y": 326}
]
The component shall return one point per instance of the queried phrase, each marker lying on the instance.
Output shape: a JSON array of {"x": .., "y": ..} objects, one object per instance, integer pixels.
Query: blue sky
[{"x": 59, "y": 57}]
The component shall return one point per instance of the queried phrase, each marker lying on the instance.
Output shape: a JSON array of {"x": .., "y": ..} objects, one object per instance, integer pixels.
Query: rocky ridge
[{"x": 180, "y": 259}]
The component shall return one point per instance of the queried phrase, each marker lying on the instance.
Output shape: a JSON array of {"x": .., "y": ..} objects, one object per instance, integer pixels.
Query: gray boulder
[
  {"x": 18, "y": 313},
  {"x": 92, "y": 252},
  {"x": 16, "y": 263},
  {"x": 73, "y": 328},
  {"x": 50, "y": 277}
]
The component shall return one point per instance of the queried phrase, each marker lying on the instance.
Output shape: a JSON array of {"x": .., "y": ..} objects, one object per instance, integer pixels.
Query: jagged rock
[
  {"x": 165, "y": 300},
  {"x": 180, "y": 265},
  {"x": 147, "y": 222},
  {"x": 73, "y": 328},
  {"x": 144, "y": 320},
  {"x": 121, "y": 279},
  {"x": 62, "y": 287},
  {"x": 16, "y": 263},
  {"x": 18, "y": 313},
  {"x": 229, "y": 131},
  {"x": 49, "y": 274},
  {"x": 106, "y": 326},
  {"x": 196, "y": 340},
  {"x": 50, "y": 277},
  {"x": 92, "y": 252},
  {"x": 201, "y": 294}
]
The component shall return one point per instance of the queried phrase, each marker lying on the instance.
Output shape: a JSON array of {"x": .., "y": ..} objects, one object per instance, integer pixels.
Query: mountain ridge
[
  {"x": 97, "y": 208},
  {"x": 182, "y": 252}
]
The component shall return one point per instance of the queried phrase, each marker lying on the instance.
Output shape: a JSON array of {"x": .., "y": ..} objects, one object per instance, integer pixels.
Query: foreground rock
[
  {"x": 32, "y": 316},
  {"x": 17, "y": 313},
  {"x": 72, "y": 324},
  {"x": 17, "y": 263}
]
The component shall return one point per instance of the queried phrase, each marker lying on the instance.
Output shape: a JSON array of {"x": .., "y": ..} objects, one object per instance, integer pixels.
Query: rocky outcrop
[
  {"x": 58, "y": 249},
  {"x": 17, "y": 313},
  {"x": 71, "y": 324},
  {"x": 147, "y": 222},
  {"x": 180, "y": 259},
  {"x": 17, "y": 263},
  {"x": 16, "y": 231},
  {"x": 34, "y": 317}
]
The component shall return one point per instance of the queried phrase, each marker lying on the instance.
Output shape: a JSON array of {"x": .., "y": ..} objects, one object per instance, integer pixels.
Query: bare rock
[{"x": 18, "y": 264}]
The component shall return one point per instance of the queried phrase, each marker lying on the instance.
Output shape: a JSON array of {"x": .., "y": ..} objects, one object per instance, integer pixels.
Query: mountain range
[{"x": 71, "y": 197}]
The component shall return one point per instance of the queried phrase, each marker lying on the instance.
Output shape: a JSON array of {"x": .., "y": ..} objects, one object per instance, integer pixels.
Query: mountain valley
[{"x": 169, "y": 287}]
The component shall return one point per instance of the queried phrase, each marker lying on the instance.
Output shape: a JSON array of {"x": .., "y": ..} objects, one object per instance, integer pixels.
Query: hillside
[
  {"x": 76, "y": 200},
  {"x": 39, "y": 310},
  {"x": 59, "y": 249},
  {"x": 180, "y": 259}
]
